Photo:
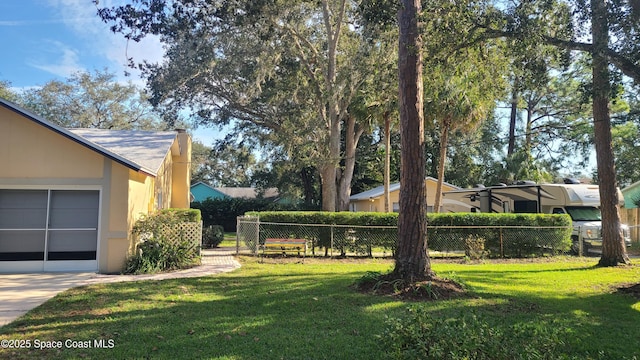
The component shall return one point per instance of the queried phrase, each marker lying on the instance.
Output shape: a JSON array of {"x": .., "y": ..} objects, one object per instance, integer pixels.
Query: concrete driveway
[{"x": 20, "y": 293}]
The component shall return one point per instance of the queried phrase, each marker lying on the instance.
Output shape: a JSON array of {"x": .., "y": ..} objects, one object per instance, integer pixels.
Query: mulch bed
[{"x": 430, "y": 289}]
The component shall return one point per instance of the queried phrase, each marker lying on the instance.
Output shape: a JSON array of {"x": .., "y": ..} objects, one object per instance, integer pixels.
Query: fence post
[
  {"x": 580, "y": 242},
  {"x": 237, "y": 235},
  {"x": 201, "y": 227},
  {"x": 501, "y": 244},
  {"x": 331, "y": 249},
  {"x": 257, "y": 235}
]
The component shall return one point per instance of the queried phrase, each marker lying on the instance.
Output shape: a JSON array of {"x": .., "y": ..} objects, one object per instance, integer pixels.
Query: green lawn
[
  {"x": 287, "y": 310},
  {"x": 229, "y": 240}
]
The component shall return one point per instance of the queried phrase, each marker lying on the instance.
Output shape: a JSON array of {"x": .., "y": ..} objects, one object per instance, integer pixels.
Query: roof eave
[{"x": 76, "y": 138}]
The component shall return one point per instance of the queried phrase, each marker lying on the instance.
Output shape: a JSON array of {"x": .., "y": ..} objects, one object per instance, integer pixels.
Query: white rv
[{"x": 580, "y": 201}]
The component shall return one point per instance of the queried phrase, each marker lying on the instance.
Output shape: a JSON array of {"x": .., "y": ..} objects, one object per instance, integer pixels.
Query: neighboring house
[
  {"x": 373, "y": 200},
  {"x": 69, "y": 197},
  {"x": 631, "y": 195},
  {"x": 201, "y": 191},
  {"x": 630, "y": 214}
]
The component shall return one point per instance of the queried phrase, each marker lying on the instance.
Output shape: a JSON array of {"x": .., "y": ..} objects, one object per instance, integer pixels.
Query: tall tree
[
  {"x": 552, "y": 22},
  {"x": 227, "y": 163},
  {"x": 412, "y": 260},
  {"x": 626, "y": 146},
  {"x": 379, "y": 93},
  {"x": 626, "y": 140},
  {"x": 613, "y": 247},
  {"x": 290, "y": 68},
  {"x": 93, "y": 100},
  {"x": 460, "y": 95},
  {"x": 6, "y": 92}
]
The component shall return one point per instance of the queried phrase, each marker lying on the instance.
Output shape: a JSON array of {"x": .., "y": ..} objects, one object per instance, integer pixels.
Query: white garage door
[{"x": 48, "y": 230}]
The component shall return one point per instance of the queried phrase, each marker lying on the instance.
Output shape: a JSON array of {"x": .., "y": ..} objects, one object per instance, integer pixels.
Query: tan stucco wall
[
  {"x": 131, "y": 196},
  {"x": 181, "y": 173},
  {"x": 26, "y": 151},
  {"x": 163, "y": 188},
  {"x": 115, "y": 241},
  {"x": 135, "y": 194}
]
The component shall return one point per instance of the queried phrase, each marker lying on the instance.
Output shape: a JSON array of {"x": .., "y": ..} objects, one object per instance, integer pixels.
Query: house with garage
[
  {"x": 373, "y": 200},
  {"x": 69, "y": 197}
]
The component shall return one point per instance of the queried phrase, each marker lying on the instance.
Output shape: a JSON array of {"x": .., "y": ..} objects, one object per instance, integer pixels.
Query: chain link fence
[{"x": 381, "y": 241}]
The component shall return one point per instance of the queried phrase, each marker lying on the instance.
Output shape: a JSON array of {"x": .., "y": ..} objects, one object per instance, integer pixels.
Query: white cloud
[
  {"x": 67, "y": 60},
  {"x": 80, "y": 16}
]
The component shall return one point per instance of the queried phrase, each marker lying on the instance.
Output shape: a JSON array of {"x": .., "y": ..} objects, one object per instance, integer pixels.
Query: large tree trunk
[
  {"x": 307, "y": 177},
  {"x": 329, "y": 167},
  {"x": 412, "y": 260},
  {"x": 614, "y": 251},
  {"x": 352, "y": 137},
  {"x": 329, "y": 170},
  {"x": 444, "y": 139},
  {"x": 512, "y": 120},
  {"x": 329, "y": 189},
  {"x": 528, "y": 137},
  {"x": 387, "y": 161}
]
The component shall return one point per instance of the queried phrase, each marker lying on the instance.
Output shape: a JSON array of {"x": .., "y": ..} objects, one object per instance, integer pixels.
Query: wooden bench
[{"x": 285, "y": 245}]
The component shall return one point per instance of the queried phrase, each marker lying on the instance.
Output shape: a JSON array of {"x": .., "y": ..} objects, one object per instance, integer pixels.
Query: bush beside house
[{"x": 165, "y": 242}]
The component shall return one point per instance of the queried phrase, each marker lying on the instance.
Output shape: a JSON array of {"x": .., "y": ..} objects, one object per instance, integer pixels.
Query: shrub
[
  {"x": 468, "y": 336},
  {"x": 162, "y": 245},
  {"x": 224, "y": 211},
  {"x": 212, "y": 236},
  {"x": 184, "y": 215}
]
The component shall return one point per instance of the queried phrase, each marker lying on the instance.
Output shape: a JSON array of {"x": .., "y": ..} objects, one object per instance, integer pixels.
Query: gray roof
[
  {"x": 88, "y": 143},
  {"x": 247, "y": 192},
  {"x": 379, "y": 191},
  {"x": 145, "y": 148},
  {"x": 375, "y": 192}
]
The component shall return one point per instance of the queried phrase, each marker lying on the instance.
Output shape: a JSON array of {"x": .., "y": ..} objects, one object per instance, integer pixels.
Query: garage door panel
[
  {"x": 23, "y": 209},
  {"x": 21, "y": 245},
  {"x": 66, "y": 240},
  {"x": 74, "y": 209},
  {"x": 23, "y": 218},
  {"x": 10, "y": 198},
  {"x": 74, "y": 219}
]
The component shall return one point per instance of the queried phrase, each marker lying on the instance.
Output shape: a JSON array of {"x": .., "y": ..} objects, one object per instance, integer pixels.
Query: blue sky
[{"x": 45, "y": 40}]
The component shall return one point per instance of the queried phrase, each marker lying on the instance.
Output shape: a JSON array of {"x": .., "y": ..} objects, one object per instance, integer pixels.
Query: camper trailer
[{"x": 580, "y": 201}]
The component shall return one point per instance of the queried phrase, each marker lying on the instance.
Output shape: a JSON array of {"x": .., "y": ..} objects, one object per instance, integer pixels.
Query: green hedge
[
  {"x": 224, "y": 212},
  {"x": 186, "y": 215},
  {"x": 391, "y": 219},
  {"x": 478, "y": 234},
  {"x": 500, "y": 235},
  {"x": 328, "y": 218}
]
